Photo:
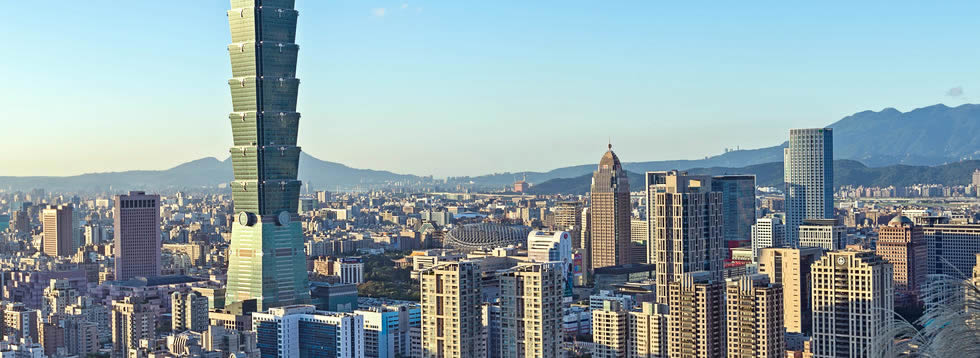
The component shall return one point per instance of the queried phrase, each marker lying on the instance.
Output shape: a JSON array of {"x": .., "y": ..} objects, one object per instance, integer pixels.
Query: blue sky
[{"x": 471, "y": 87}]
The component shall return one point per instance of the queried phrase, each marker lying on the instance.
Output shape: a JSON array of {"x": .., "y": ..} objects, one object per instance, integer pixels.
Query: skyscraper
[
  {"x": 451, "y": 311},
  {"x": 738, "y": 206},
  {"x": 611, "y": 213},
  {"x": 853, "y": 303},
  {"x": 266, "y": 257},
  {"x": 791, "y": 268},
  {"x": 686, "y": 227},
  {"x": 903, "y": 244},
  {"x": 696, "y": 317},
  {"x": 531, "y": 310},
  {"x": 57, "y": 222},
  {"x": 137, "y": 235},
  {"x": 755, "y": 317},
  {"x": 809, "y": 178}
]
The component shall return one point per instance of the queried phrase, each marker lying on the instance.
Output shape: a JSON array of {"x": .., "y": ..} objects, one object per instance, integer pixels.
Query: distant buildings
[
  {"x": 611, "y": 213},
  {"x": 809, "y": 177},
  {"x": 853, "y": 303},
  {"x": 686, "y": 225},
  {"x": 137, "y": 235},
  {"x": 58, "y": 233},
  {"x": 544, "y": 246},
  {"x": 451, "y": 311}
]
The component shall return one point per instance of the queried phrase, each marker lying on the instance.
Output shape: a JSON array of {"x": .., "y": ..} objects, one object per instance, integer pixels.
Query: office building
[
  {"x": 826, "y": 234},
  {"x": 903, "y": 244},
  {"x": 531, "y": 310},
  {"x": 302, "y": 331},
  {"x": 696, "y": 316},
  {"x": 568, "y": 218},
  {"x": 648, "y": 331},
  {"x": 57, "y": 226},
  {"x": 754, "y": 311},
  {"x": 853, "y": 303},
  {"x": 137, "y": 235},
  {"x": 189, "y": 311},
  {"x": 451, "y": 311},
  {"x": 790, "y": 268},
  {"x": 349, "y": 269},
  {"x": 132, "y": 320},
  {"x": 737, "y": 206},
  {"x": 545, "y": 246},
  {"x": 611, "y": 213},
  {"x": 767, "y": 232},
  {"x": 610, "y": 331},
  {"x": 686, "y": 226},
  {"x": 388, "y": 329},
  {"x": 951, "y": 248},
  {"x": 266, "y": 258},
  {"x": 808, "y": 173}
]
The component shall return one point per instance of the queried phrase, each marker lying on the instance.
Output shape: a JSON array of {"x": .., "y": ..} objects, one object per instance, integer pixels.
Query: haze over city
[{"x": 463, "y": 88}]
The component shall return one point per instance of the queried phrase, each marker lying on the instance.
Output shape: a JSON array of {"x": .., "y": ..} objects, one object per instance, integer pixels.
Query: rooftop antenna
[{"x": 610, "y": 143}]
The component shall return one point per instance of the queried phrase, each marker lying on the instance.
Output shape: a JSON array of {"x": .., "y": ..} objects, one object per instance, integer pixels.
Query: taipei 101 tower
[{"x": 266, "y": 259}]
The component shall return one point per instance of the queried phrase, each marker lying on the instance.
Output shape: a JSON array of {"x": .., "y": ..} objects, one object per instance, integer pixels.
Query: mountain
[
  {"x": 846, "y": 172},
  {"x": 205, "y": 172},
  {"x": 928, "y": 136}
]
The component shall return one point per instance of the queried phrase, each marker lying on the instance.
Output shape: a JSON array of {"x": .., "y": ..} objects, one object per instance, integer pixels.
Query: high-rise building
[
  {"x": 950, "y": 249},
  {"x": 611, "y": 213},
  {"x": 903, "y": 244},
  {"x": 767, "y": 232},
  {"x": 531, "y": 310},
  {"x": 826, "y": 234},
  {"x": 648, "y": 331},
  {"x": 809, "y": 178},
  {"x": 696, "y": 317},
  {"x": 568, "y": 218},
  {"x": 686, "y": 226},
  {"x": 737, "y": 206},
  {"x": 639, "y": 241},
  {"x": 137, "y": 235},
  {"x": 451, "y": 310},
  {"x": 790, "y": 268},
  {"x": 189, "y": 311},
  {"x": 57, "y": 221},
  {"x": 133, "y": 319},
  {"x": 57, "y": 297},
  {"x": 755, "y": 318},
  {"x": 388, "y": 329},
  {"x": 20, "y": 222},
  {"x": 586, "y": 248},
  {"x": 853, "y": 303},
  {"x": 544, "y": 246},
  {"x": 266, "y": 257},
  {"x": 302, "y": 331},
  {"x": 610, "y": 331}
]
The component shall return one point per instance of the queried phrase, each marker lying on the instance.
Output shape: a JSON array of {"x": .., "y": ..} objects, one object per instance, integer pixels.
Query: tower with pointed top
[
  {"x": 610, "y": 213},
  {"x": 266, "y": 257}
]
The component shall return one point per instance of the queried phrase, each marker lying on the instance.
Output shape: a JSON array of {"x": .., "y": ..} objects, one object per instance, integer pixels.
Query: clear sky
[{"x": 472, "y": 87}]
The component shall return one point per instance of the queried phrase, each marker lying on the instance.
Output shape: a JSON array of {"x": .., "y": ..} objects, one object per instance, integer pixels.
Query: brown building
[
  {"x": 696, "y": 317},
  {"x": 611, "y": 213},
  {"x": 755, "y": 317},
  {"x": 791, "y": 269},
  {"x": 57, "y": 230},
  {"x": 903, "y": 244}
]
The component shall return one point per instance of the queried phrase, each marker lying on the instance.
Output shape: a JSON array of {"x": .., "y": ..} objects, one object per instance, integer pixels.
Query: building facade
[
  {"x": 57, "y": 228},
  {"x": 903, "y": 244},
  {"x": 696, "y": 317},
  {"x": 767, "y": 232},
  {"x": 302, "y": 331},
  {"x": 737, "y": 206},
  {"x": 648, "y": 331},
  {"x": 754, "y": 310},
  {"x": 826, "y": 234},
  {"x": 611, "y": 213},
  {"x": 531, "y": 310},
  {"x": 266, "y": 257},
  {"x": 136, "y": 242},
  {"x": 790, "y": 268},
  {"x": 451, "y": 311},
  {"x": 610, "y": 331},
  {"x": 808, "y": 173},
  {"x": 189, "y": 311}
]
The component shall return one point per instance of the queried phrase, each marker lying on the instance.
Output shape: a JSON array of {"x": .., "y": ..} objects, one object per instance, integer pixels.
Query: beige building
[
  {"x": 648, "y": 332},
  {"x": 903, "y": 244},
  {"x": 696, "y": 319},
  {"x": 822, "y": 233},
  {"x": 189, "y": 312},
  {"x": 531, "y": 310},
  {"x": 791, "y": 269},
  {"x": 611, "y": 213},
  {"x": 610, "y": 331},
  {"x": 755, "y": 318},
  {"x": 853, "y": 303},
  {"x": 451, "y": 311},
  {"x": 568, "y": 217},
  {"x": 685, "y": 219},
  {"x": 132, "y": 320},
  {"x": 57, "y": 225}
]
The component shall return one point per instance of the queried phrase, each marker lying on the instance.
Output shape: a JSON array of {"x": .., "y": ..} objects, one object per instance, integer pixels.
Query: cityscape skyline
[{"x": 344, "y": 94}]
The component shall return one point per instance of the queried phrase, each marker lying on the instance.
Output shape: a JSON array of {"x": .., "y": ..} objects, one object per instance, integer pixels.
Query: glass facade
[{"x": 266, "y": 242}]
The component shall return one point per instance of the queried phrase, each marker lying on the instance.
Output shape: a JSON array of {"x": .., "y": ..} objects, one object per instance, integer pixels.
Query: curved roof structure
[{"x": 485, "y": 236}]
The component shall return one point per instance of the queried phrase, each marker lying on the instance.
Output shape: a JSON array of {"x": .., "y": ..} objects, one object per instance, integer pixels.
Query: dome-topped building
[
  {"x": 901, "y": 220},
  {"x": 609, "y": 244}
]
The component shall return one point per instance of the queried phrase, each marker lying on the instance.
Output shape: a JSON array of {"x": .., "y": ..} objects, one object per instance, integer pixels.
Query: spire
[{"x": 610, "y": 143}]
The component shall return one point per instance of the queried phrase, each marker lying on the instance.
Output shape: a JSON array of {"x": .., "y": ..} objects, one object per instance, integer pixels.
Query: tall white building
[
  {"x": 808, "y": 165},
  {"x": 853, "y": 302},
  {"x": 767, "y": 232},
  {"x": 648, "y": 331},
  {"x": 610, "y": 331},
  {"x": 350, "y": 270},
  {"x": 302, "y": 331},
  {"x": 545, "y": 246},
  {"x": 823, "y": 233},
  {"x": 531, "y": 310},
  {"x": 452, "y": 311}
]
